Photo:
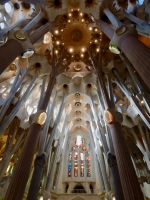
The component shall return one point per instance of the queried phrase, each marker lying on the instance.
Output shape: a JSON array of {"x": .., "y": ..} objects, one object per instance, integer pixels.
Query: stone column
[
  {"x": 129, "y": 181},
  {"x": 39, "y": 164},
  {"x": 8, "y": 53},
  {"x": 21, "y": 173},
  {"x": 138, "y": 55},
  {"x": 133, "y": 49},
  {"x": 38, "y": 168},
  {"x": 3, "y": 1},
  {"x": 13, "y": 48},
  {"x": 34, "y": 37}
]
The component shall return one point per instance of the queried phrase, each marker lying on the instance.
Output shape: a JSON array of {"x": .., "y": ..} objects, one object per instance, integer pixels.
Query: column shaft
[
  {"x": 130, "y": 185},
  {"x": 19, "y": 179},
  {"x": 135, "y": 51},
  {"x": 8, "y": 53},
  {"x": 34, "y": 37},
  {"x": 138, "y": 54}
]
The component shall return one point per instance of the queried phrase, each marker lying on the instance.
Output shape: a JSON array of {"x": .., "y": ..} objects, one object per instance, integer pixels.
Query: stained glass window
[
  {"x": 87, "y": 155},
  {"x": 84, "y": 148},
  {"x": 73, "y": 149},
  {"x": 69, "y": 169},
  {"x": 76, "y": 156},
  {"x": 88, "y": 171},
  {"x": 70, "y": 164},
  {"x": 76, "y": 170},
  {"x": 70, "y": 155},
  {"x": 81, "y": 156},
  {"x": 82, "y": 171},
  {"x": 79, "y": 141}
]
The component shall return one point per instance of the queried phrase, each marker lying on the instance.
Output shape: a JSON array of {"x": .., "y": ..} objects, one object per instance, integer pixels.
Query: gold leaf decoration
[{"x": 76, "y": 36}]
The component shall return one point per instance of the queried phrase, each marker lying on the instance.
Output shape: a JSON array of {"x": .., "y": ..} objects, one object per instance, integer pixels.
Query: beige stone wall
[{"x": 78, "y": 197}]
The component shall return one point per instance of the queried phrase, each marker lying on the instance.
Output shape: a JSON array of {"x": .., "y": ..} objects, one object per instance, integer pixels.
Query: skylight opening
[
  {"x": 2, "y": 25},
  {"x": 8, "y": 7},
  {"x": 141, "y": 2}
]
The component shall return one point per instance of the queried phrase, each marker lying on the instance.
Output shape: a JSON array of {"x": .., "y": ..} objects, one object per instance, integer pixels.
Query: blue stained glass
[{"x": 69, "y": 169}]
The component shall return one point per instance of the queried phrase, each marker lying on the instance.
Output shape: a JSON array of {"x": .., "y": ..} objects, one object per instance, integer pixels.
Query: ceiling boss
[{"x": 76, "y": 36}]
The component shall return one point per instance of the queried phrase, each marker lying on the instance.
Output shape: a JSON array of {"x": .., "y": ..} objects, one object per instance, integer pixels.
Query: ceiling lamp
[
  {"x": 78, "y": 119},
  {"x": 8, "y": 7},
  {"x": 77, "y": 67},
  {"x": 77, "y": 95},
  {"x": 78, "y": 112},
  {"x": 76, "y": 36},
  {"x": 77, "y": 104}
]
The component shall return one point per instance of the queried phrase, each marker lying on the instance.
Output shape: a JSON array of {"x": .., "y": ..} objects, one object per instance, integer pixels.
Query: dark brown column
[
  {"x": 130, "y": 186},
  {"x": 3, "y": 1},
  {"x": 21, "y": 173},
  {"x": 106, "y": 29},
  {"x": 8, "y": 53},
  {"x": 138, "y": 54},
  {"x": 12, "y": 49},
  {"x": 129, "y": 181}
]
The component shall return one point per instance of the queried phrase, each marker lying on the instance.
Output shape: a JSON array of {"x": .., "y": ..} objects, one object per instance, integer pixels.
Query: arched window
[
  {"x": 79, "y": 159},
  {"x": 79, "y": 141}
]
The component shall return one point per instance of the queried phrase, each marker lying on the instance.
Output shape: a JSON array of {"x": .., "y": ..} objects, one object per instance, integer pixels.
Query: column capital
[
  {"x": 118, "y": 33},
  {"x": 23, "y": 39},
  {"x": 111, "y": 115}
]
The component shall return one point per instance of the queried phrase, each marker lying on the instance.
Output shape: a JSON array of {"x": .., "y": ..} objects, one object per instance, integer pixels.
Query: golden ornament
[
  {"x": 20, "y": 35},
  {"x": 76, "y": 36},
  {"x": 42, "y": 118}
]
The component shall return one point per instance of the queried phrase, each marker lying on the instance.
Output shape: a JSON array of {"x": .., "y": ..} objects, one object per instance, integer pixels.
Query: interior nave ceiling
[{"x": 73, "y": 47}]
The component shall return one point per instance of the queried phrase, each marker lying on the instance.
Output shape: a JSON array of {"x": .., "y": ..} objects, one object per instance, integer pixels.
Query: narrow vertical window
[
  {"x": 69, "y": 169},
  {"x": 76, "y": 156},
  {"x": 76, "y": 170},
  {"x": 82, "y": 171},
  {"x": 70, "y": 164}
]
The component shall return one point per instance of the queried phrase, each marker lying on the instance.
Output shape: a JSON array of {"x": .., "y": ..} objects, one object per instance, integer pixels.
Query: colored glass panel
[
  {"x": 79, "y": 141},
  {"x": 75, "y": 170},
  {"x": 82, "y": 171},
  {"x": 69, "y": 169},
  {"x": 81, "y": 156},
  {"x": 76, "y": 156},
  {"x": 87, "y": 155}
]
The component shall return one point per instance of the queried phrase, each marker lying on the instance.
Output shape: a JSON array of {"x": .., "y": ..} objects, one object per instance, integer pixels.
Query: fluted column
[
  {"x": 138, "y": 54},
  {"x": 20, "y": 176},
  {"x": 13, "y": 48},
  {"x": 38, "y": 168},
  {"x": 8, "y": 52},
  {"x": 129, "y": 181},
  {"x": 135, "y": 51},
  {"x": 34, "y": 37}
]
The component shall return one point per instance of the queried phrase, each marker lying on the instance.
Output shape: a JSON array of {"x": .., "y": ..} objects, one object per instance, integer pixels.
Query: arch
[{"x": 79, "y": 189}]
